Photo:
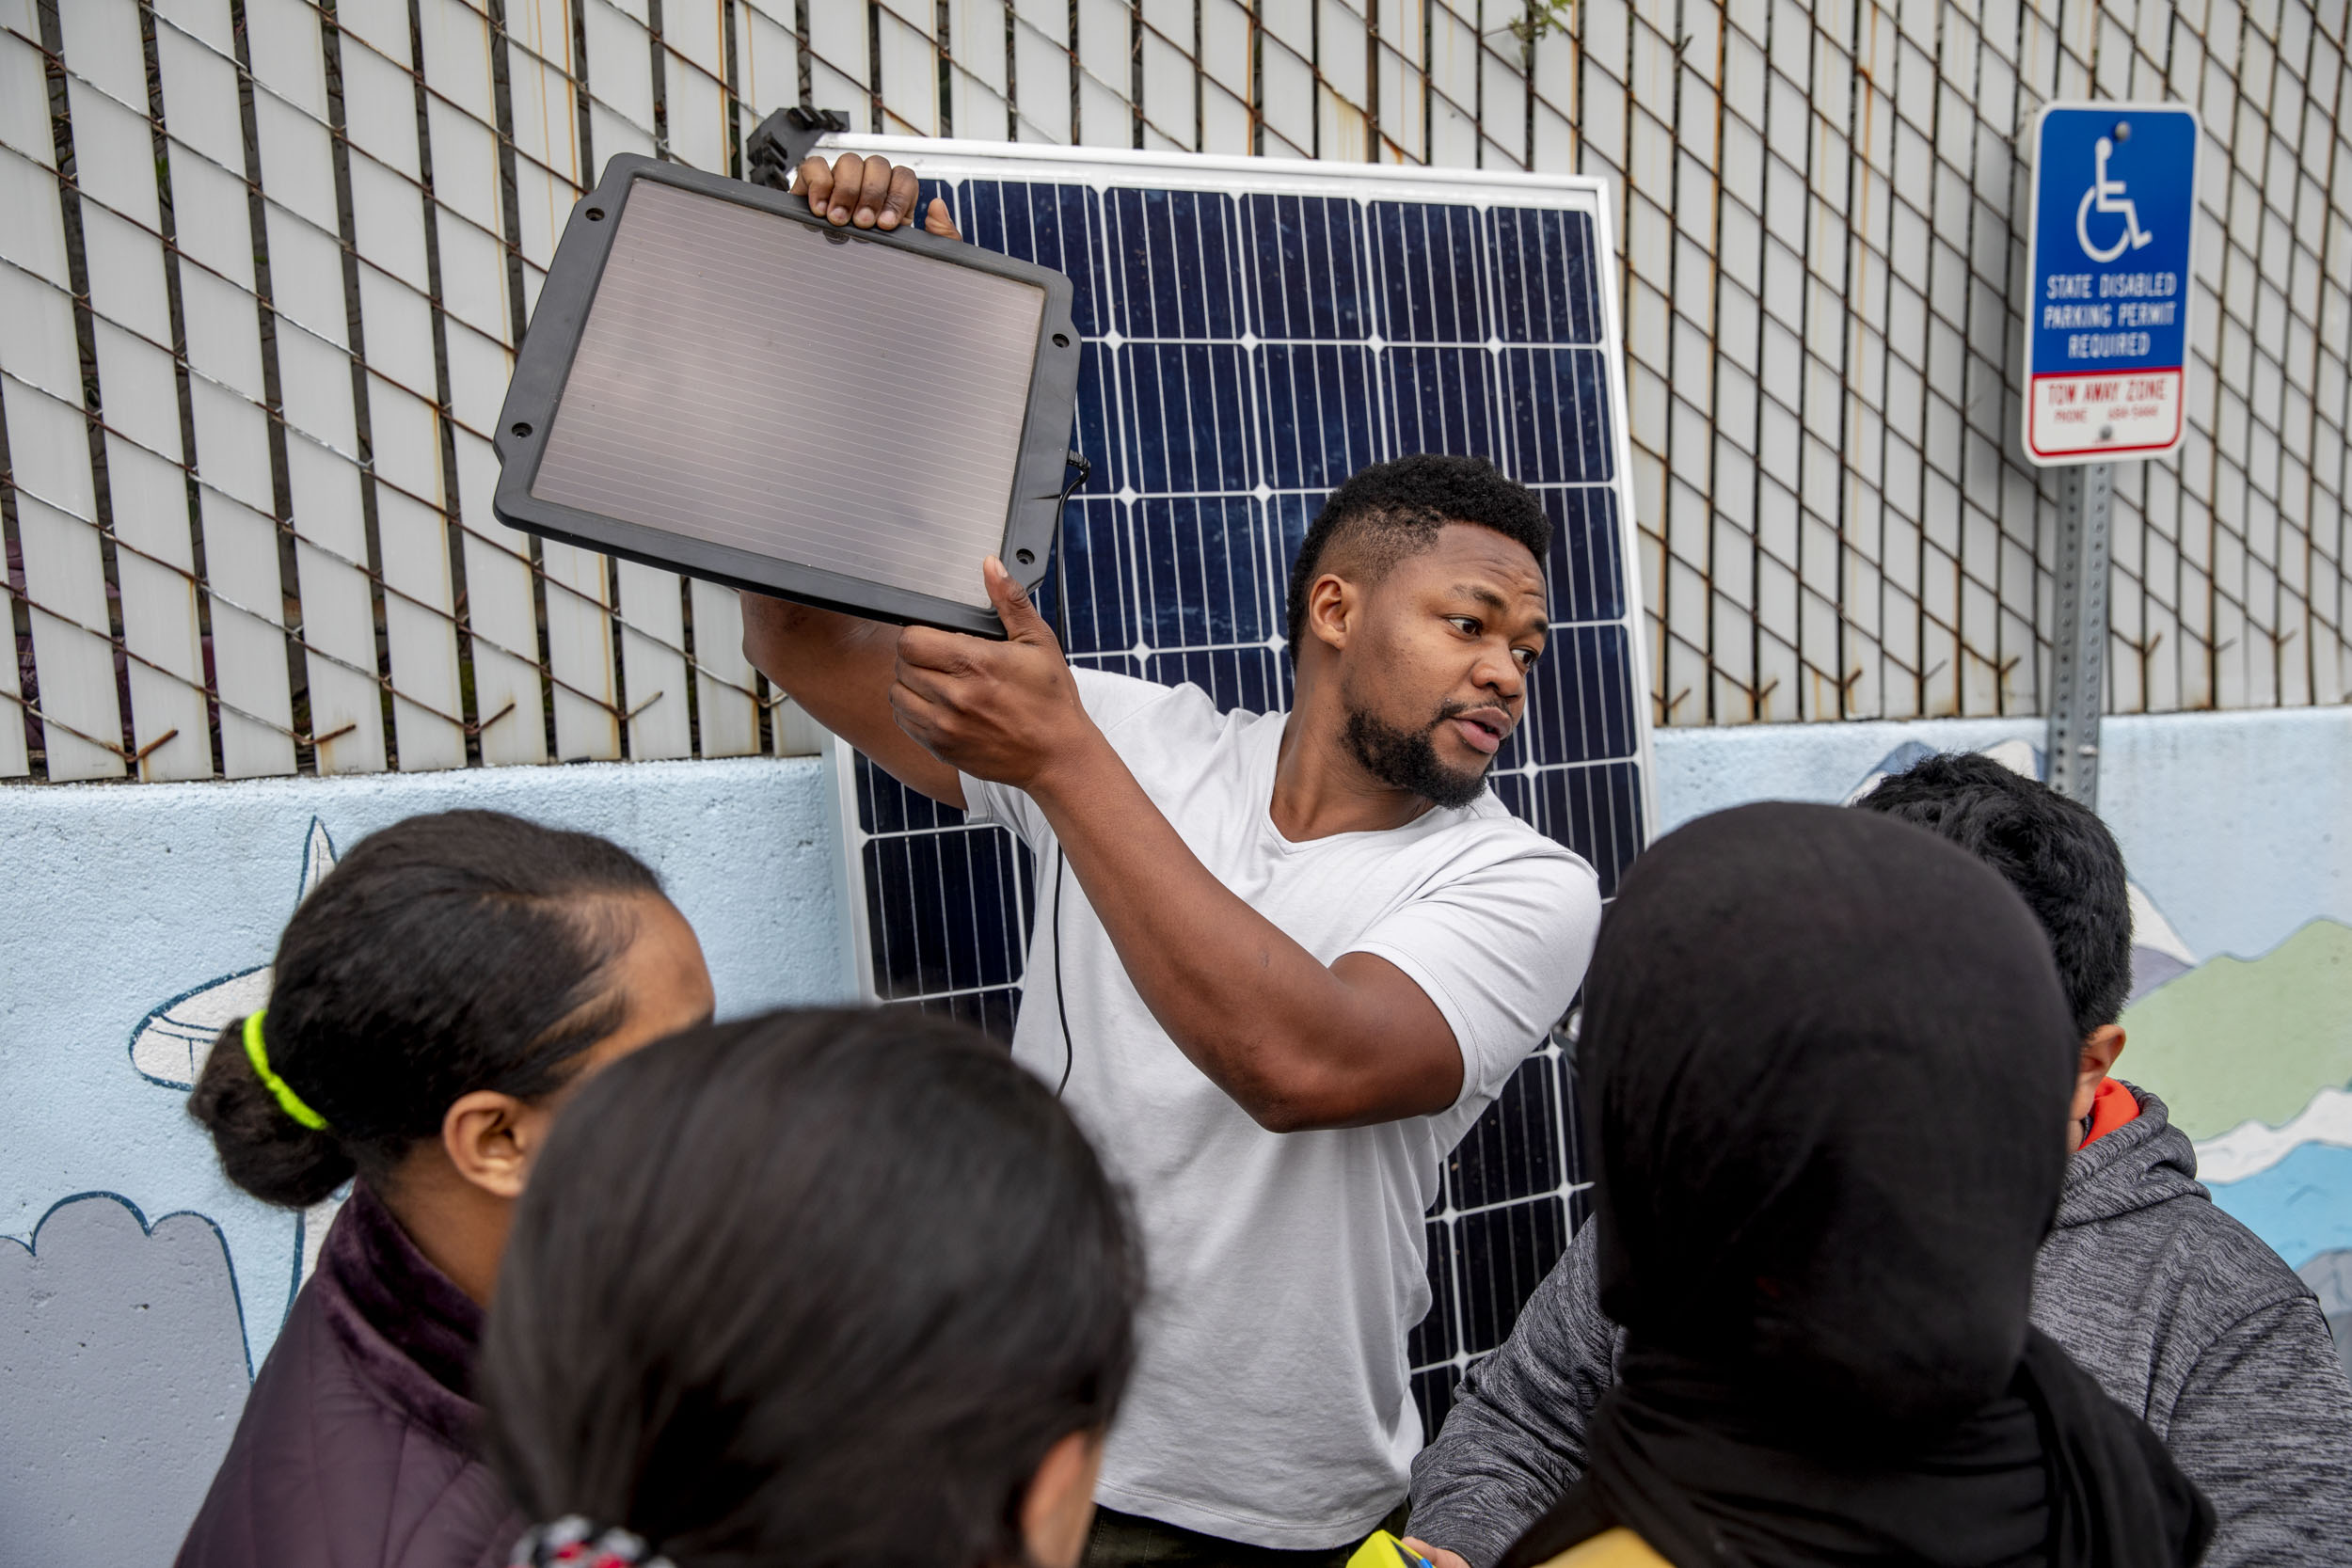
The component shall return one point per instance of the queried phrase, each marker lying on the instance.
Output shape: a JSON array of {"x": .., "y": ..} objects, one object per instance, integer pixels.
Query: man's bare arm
[
  {"x": 838, "y": 667},
  {"x": 1298, "y": 1043}
]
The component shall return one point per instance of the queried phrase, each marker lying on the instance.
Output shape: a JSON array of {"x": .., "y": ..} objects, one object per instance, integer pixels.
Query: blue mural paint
[
  {"x": 2302, "y": 1206},
  {"x": 131, "y": 905}
]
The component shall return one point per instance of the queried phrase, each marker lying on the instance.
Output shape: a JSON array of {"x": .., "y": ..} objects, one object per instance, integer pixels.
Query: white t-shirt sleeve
[
  {"x": 1500, "y": 949},
  {"x": 1110, "y": 700}
]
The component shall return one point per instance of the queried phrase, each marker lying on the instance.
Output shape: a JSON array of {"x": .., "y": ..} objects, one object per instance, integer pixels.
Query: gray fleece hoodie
[{"x": 2182, "y": 1315}]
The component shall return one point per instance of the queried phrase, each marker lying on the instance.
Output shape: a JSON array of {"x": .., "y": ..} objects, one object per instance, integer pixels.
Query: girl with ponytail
[{"x": 433, "y": 1003}]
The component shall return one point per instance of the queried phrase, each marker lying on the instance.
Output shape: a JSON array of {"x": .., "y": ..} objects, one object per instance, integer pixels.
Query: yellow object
[
  {"x": 1611, "y": 1548},
  {"x": 1382, "y": 1550},
  {"x": 288, "y": 1100}
]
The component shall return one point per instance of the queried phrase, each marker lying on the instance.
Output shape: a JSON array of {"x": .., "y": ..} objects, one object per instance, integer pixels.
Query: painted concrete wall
[
  {"x": 138, "y": 1289},
  {"x": 125, "y": 1351},
  {"x": 2236, "y": 829}
]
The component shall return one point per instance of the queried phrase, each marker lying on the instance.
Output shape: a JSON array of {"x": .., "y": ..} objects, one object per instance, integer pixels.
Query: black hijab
[{"x": 1825, "y": 1063}]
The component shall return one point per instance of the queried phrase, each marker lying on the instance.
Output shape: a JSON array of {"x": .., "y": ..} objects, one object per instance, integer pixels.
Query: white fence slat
[
  {"x": 767, "y": 59},
  {"x": 101, "y": 46},
  {"x": 838, "y": 68},
  {"x": 697, "y": 115},
  {"x": 1342, "y": 66},
  {"x": 16, "y": 757},
  {"x": 147, "y": 492},
  {"x": 578, "y": 591},
  {"x": 1396, "y": 65},
  {"x": 241, "y": 559},
  {"x": 620, "y": 81},
  {"x": 1227, "y": 52},
  {"x": 1104, "y": 43},
  {"x": 236, "y": 496},
  {"x": 508, "y": 702},
  {"x": 579, "y": 652},
  {"x": 338, "y": 610},
  {"x": 314, "y": 373},
  {"x": 477, "y": 332},
  {"x": 73, "y": 659},
  {"x": 976, "y": 89},
  {"x": 1286, "y": 69},
  {"x": 797, "y": 734},
  {"x": 909, "y": 71},
  {"x": 1454, "y": 84},
  {"x": 693, "y": 79},
  {"x": 652, "y": 631},
  {"x": 23, "y": 112},
  {"x": 1041, "y": 34},
  {"x": 307, "y": 288},
  {"x": 24, "y": 127},
  {"x": 1557, "y": 61},
  {"x": 418, "y": 597},
  {"x": 457, "y": 59},
  {"x": 1168, "y": 93},
  {"x": 473, "y": 294},
  {"x": 499, "y": 608},
  {"x": 48, "y": 446},
  {"x": 378, "y": 92},
  {"x": 40, "y": 364},
  {"x": 729, "y": 713},
  {"x": 154, "y": 562},
  {"x": 380, "y": 124},
  {"x": 473, "y": 258},
  {"x": 652, "y": 663},
  {"x": 548, "y": 174}
]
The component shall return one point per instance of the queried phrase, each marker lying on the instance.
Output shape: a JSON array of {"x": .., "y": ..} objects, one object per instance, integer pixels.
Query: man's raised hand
[
  {"x": 1001, "y": 711},
  {"x": 871, "y": 193}
]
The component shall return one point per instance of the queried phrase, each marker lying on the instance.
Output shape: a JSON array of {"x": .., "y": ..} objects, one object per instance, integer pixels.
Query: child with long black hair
[
  {"x": 446, "y": 987},
  {"x": 825, "y": 1289}
]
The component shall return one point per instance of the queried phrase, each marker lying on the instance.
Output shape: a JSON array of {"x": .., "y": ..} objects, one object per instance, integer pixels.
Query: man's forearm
[
  {"x": 838, "y": 668},
  {"x": 1289, "y": 1040}
]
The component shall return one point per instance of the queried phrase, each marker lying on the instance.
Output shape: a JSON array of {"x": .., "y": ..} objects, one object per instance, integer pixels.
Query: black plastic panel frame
[{"x": 543, "y": 366}]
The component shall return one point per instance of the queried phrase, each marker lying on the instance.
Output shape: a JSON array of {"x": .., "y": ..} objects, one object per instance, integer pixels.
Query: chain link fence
[{"x": 263, "y": 264}]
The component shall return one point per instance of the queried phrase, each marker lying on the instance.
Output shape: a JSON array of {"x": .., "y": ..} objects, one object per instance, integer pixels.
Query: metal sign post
[
  {"x": 2078, "y": 642},
  {"x": 2110, "y": 245}
]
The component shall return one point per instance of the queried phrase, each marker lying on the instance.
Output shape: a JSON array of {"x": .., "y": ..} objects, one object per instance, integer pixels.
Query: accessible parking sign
[{"x": 2106, "y": 331}]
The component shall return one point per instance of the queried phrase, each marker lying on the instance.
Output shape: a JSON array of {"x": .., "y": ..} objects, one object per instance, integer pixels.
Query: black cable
[
  {"x": 1061, "y": 861},
  {"x": 1061, "y": 1009}
]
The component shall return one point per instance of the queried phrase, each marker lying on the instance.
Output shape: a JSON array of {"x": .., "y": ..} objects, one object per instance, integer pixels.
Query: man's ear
[
  {"x": 490, "y": 1137},
  {"x": 1332, "y": 605},
  {"x": 2101, "y": 1047}
]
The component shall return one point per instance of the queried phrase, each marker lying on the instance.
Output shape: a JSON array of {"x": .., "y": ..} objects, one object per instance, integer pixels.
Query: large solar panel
[{"x": 1253, "y": 333}]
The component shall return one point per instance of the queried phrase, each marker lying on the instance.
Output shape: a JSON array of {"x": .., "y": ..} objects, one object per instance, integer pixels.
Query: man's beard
[{"x": 1407, "y": 760}]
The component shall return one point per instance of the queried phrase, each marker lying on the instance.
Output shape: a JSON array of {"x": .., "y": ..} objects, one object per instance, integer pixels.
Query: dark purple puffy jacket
[{"x": 357, "y": 1446}]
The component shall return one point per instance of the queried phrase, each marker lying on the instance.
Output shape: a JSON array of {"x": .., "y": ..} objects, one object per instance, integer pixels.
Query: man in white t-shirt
[{"x": 1297, "y": 955}]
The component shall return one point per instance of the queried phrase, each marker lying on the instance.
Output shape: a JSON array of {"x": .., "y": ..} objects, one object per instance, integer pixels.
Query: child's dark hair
[
  {"x": 1396, "y": 509},
  {"x": 2056, "y": 853},
  {"x": 817, "y": 1287},
  {"x": 445, "y": 954}
]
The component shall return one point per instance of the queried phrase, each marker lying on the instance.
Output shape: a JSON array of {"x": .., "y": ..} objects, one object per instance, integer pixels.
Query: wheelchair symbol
[{"x": 2106, "y": 195}]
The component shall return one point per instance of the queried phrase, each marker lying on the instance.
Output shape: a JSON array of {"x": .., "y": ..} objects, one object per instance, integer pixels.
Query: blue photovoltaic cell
[
  {"x": 1306, "y": 269},
  {"x": 1242, "y": 356}
]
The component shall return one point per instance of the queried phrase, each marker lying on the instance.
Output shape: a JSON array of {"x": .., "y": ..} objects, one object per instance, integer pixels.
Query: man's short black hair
[
  {"x": 2054, "y": 852},
  {"x": 1393, "y": 510}
]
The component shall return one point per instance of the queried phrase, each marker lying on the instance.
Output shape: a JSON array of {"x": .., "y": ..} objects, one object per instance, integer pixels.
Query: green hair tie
[{"x": 288, "y": 1100}]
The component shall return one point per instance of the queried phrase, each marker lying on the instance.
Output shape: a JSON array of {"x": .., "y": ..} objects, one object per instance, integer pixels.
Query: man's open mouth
[{"x": 1481, "y": 729}]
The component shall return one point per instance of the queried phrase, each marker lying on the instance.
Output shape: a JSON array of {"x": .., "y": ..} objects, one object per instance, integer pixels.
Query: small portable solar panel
[
  {"x": 718, "y": 382},
  {"x": 1255, "y": 332}
]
